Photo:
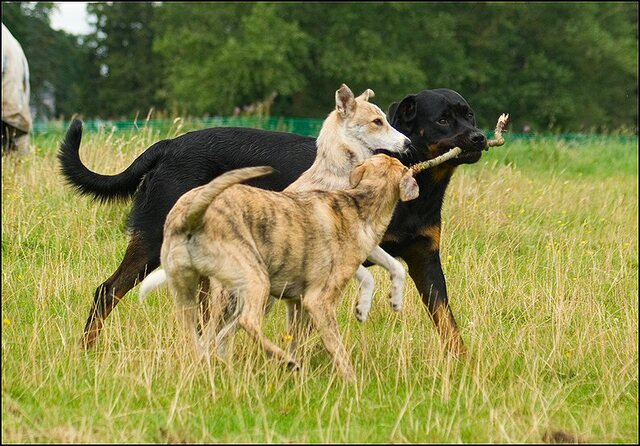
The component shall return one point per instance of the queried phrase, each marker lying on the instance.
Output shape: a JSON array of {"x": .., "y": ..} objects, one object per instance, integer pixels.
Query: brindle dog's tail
[
  {"x": 192, "y": 219},
  {"x": 195, "y": 213},
  {"x": 103, "y": 187}
]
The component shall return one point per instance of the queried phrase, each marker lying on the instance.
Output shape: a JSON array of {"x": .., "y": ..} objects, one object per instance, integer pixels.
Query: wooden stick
[{"x": 497, "y": 140}]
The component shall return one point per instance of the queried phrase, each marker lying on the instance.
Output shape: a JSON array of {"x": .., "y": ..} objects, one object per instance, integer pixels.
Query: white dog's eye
[{"x": 377, "y": 122}]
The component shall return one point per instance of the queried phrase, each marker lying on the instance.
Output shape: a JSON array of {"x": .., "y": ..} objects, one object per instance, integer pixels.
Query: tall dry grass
[{"x": 540, "y": 250}]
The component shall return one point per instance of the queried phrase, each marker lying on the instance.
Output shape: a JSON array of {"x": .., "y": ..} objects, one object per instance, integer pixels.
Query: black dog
[{"x": 435, "y": 120}]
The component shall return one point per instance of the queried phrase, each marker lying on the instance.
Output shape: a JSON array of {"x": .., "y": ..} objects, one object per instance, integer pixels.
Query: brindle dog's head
[
  {"x": 436, "y": 121},
  {"x": 382, "y": 171}
]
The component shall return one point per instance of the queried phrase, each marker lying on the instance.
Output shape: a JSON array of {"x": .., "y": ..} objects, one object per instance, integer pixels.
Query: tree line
[{"x": 552, "y": 66}]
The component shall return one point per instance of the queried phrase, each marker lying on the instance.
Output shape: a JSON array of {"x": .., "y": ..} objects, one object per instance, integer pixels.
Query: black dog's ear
[
  {"x": 401, "y": 115},
  {"x": 392, "y": 110}
]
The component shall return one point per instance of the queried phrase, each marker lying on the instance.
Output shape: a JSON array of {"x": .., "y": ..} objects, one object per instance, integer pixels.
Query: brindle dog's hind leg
[
  {"x": 221, "y": 309},
  {"x": 204, "y": 297},
  {"x": 184, "y": 287}
]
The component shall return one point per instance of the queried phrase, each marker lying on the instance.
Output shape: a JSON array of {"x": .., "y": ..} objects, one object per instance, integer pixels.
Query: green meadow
[{"x": 540, "y": 251}]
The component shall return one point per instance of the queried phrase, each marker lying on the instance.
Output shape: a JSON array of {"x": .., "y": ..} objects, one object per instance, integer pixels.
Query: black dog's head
[{"x": 436, "y": 121}]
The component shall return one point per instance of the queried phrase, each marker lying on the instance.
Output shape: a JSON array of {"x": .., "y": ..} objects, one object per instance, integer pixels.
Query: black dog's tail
[{"x": 102, "y": 187}]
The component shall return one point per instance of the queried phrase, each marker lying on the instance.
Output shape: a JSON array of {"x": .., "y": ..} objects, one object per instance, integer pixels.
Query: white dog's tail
[{"x": 151, "y": 282}]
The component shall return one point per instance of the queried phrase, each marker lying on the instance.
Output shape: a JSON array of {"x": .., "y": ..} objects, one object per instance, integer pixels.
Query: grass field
[{"x": 540, "y": 251}]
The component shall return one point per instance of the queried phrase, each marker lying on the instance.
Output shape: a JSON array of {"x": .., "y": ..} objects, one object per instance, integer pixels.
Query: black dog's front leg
[{"x": 423, "y": 259}]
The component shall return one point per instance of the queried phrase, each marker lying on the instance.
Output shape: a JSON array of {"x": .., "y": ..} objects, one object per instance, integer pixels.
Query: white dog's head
[{"x": 365, "y": 126}]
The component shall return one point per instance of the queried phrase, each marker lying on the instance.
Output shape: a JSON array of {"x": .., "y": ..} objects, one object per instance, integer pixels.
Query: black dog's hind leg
[
  {"x": 138, "y": 261},
  {"x": 423, "y": 259}
]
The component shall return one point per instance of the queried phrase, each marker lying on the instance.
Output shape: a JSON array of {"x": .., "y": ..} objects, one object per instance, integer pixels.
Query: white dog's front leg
[
  {"x": 396, "y": 272},
  {"x": 367, "y": 285}
]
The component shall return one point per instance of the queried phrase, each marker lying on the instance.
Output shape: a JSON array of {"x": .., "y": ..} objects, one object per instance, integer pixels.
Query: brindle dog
[{"x": 261, "y": 245}]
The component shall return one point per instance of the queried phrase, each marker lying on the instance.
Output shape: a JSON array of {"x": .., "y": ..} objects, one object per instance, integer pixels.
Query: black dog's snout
[
  {"x": 407, "y": 143},
  {"x": 478, "y": 140}
]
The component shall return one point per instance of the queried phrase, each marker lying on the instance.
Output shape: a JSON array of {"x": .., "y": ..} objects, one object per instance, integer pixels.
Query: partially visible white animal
[{"x": 16, "y": 114}]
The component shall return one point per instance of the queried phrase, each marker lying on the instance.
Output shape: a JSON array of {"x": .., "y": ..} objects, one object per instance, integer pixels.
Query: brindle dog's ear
[
  {"x": 409, "y": 189},
  {"x": 345, "y": 102},
  {"x": 401, "y": 115},
  {"x": 356, "y": 174}
]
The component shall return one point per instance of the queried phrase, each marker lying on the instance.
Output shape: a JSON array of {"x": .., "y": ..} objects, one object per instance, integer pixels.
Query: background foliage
[{"x": 553, "y": 66}]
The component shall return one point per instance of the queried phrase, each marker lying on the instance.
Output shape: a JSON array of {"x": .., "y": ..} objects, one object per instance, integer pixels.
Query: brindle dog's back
[{"x": 296, "y": 236}]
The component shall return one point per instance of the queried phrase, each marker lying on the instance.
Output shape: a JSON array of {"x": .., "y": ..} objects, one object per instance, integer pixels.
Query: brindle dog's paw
[{"x": 293, "y": 366}]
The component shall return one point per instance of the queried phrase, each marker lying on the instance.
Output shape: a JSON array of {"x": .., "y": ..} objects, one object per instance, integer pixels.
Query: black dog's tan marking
[
  {"x": 221, "y": 230},
  {"x": 169, "y": 168},
  {"x": 436, "y": 121},
  {"x": 432, "y": 233}
]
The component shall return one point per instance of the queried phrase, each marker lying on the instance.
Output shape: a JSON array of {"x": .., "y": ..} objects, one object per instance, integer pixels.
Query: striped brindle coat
[{"x": 261, "y": 245}]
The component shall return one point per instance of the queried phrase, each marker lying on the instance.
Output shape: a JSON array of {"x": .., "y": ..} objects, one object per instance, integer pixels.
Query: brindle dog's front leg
[
  {"x": 254, "y": 299},
  {"x": 321, "y": 306},
  {"x": 298, "y": 324}
]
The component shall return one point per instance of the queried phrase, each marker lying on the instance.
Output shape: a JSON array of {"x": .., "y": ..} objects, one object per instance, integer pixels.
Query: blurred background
[{"x": 555, "y": 67}]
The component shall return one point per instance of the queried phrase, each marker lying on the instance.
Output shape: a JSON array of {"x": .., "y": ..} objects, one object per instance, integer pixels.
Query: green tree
[
  {"x": 187, "y": 35},
  {"x": 130, "y": 76},
  {"x": 556, "y": 66},
  {"x": 246, "y": 55},
  {"x": 58, "y": 63},
  {"x": 352, "y": 44}
]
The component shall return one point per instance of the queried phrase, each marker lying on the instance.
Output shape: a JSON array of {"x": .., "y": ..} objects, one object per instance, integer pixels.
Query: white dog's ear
[
  {"x": 366, "y": 95},
  {"x": 345, "y": 102},
  {"x": 409, "y": 189},
  {"x": 356, "y": 175}
]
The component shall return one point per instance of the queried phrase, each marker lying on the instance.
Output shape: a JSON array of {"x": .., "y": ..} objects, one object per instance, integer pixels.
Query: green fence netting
[{"x": 301, "y": 126}]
